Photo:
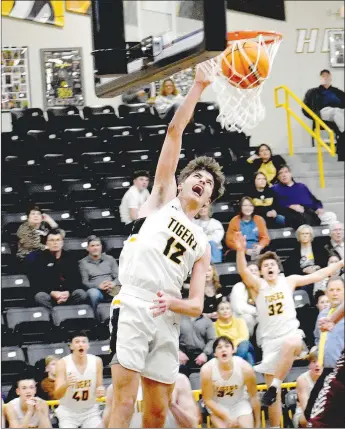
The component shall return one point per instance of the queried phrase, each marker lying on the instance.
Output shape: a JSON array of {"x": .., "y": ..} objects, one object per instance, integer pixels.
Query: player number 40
[
  {"x": 174, "y": 250},
  {"x": 81, "y": 396}
]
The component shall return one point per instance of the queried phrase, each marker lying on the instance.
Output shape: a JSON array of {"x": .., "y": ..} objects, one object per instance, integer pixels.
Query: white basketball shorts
[{"x": 90, "y": 418}]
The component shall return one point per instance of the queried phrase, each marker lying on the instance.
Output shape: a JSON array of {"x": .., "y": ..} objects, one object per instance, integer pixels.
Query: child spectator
[{"x": 48, "y": 383}]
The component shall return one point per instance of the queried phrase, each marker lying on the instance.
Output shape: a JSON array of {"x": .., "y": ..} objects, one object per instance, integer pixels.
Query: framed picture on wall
[
  {"x": 15, "y": 78},
  {"x": 62, "y": 77},
  {"x": 336, "y": 48}
]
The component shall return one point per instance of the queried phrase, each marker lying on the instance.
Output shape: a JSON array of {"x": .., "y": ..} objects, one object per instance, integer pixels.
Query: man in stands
[
  {"x": 55, "y": 276},
  {"x": 134, "y": 198},
  {"x": 336, "y": 244},
  {"x": 48, "y": 383},
  {"x": 99, "y": 273},
  {"x": 298, "y": 204}
]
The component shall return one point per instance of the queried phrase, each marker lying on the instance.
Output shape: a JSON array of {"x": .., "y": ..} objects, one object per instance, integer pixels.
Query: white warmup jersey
[
  {"x": 276, "y": 309},
  {"x": 20, "y": 415},
  {"x": 161, "y": 251},
  {"x": 232, "y": 391},
  {"x": 82, "y": 395}
]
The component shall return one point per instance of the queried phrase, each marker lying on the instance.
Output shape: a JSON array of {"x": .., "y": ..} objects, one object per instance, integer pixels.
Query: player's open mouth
[
  {"x": 270, "y": 272},
  {"x": 224, "y": 355},
  {"x": 197, "y": 189},
  {"x": 81, "y": 350}
]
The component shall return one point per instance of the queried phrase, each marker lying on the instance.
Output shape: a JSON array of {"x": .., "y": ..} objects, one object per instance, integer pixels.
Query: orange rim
[{"x": 271, "y": 36}]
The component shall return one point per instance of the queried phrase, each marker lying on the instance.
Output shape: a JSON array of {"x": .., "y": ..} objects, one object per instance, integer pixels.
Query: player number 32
[{"x": 276, "y": 308}]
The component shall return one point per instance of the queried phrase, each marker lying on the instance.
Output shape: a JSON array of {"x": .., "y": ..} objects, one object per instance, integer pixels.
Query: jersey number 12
[{"x": 179, "y": 250}]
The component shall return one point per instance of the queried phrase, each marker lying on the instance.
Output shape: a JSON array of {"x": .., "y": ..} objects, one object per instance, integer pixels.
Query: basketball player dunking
[
  {"x": 165, "y": 245},
  {"x": 281, "y": 338}
]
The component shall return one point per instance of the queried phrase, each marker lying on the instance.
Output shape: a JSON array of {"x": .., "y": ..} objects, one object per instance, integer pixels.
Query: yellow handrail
[{"x": 316, "y": 135}]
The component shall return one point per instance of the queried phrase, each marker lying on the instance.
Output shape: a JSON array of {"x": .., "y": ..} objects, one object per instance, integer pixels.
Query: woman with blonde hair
[{"x": 168, "y": 100}]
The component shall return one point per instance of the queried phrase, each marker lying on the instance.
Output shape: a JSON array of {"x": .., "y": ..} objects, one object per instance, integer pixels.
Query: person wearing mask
[
  {"x": 321, "y": 300},
  {"x": 55, "y": 276},
  {"x": 264, "y": 201},
  {"x": 264, "y": 161},
  {"x": 213, "y": 294},
  {"x": 99, "y": 273},
  {"x": 48, "y": 383},
  {"x": 32, "y": 234},
  {"x": 236, "y": 329},
  {"x": 214, "y": 231},
  {"x": 323, "y": 284},
  {"x": 336, "y": 243},
  {"x": 168, "y": 100},
  {"x": 252, "y": 226},
  {"x": 242, "y": 304},
  {"x": 299, "y": 205},
  {"x": 134, "y": 198}
]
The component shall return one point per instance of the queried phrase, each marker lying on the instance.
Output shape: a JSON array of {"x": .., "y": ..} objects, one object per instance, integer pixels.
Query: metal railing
[{"x": 316, "y": 134}]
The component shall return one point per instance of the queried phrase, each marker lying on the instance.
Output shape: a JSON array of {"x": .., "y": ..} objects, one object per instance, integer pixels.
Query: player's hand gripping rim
[{"x": 161, "y": 304}]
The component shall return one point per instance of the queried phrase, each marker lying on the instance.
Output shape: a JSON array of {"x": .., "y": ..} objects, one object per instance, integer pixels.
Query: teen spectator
[
  {"x": 99, "y": 273},
  {"x": 27, "y": 410},
  {"x": 250, "y": 225},
  {"x": 242, "y": 304},
  {"x": 323, "y": 284},
  {"x": 48, "y": 383},
  {"x": 214, "y": 231},
  {"x": 236, "y": 329},
  {"x": 264, "y": 201},
  {"x": 336, "y": 244},
  {"x": 55, "y": 277},
  {"x": 197, "y": 335},
  {"x": 321, "y": 300},
  {"x": 299, "y": 205},
  {"x": 326, "y": 101},
  {"x": 264, "y": 161},
  {"x": 32, "y": 234},
  {"x": 213, "y": 294},
  {"x": 169, "y": 99},
  {"x": 134, "y": 198}
]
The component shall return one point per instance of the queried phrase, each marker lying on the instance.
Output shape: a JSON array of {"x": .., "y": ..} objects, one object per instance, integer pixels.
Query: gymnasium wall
[{"x": 299, "y": 71}]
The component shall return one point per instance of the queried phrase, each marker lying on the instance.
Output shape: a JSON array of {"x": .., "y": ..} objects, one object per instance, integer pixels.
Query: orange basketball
[{"x": 244, "y": 63}]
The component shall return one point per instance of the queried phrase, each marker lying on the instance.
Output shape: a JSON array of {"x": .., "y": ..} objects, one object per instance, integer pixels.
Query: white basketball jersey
[
  {"x": 34, "y": 421},
  {"x": 82, "y": 395},
  {"x": 276, "y": 309},
  {"x": 161, "y": 251},
  {"x": 231, "y": 391}
]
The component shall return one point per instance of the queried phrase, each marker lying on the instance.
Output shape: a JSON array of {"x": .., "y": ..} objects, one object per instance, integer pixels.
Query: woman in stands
[
  {"x": 264, "y": 201},
  {"x": 263, "y": 160},
  {"x": 168, "y": 100},
  {"x": 322, "y": 286},
  {"x": 252, "y": 226},
  {"x": 213, "y": 294}
]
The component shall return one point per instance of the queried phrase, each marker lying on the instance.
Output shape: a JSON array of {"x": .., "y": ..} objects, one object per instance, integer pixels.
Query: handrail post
[{"x": 288, "y": 118}]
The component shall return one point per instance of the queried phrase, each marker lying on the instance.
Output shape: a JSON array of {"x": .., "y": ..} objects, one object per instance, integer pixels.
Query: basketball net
[{"x": 241, "y": 109}]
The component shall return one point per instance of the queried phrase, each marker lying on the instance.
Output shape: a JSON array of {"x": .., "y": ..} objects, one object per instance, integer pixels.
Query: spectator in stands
[
  {"x": 252, "y": 226},
  {"x": 304, "y": 385},
  {"x": 48, "y": 383},
  {"x": 299, "y": 205},
  {"x": 134, "y": 198},
  {"x": 168, "y": 100},
  {"x": 242, "y": 304},
  {"x": 32, "y": 234},
  {"x": 213, "y": 294},
  {"x": 336, "y": 244},
  {"x": 142, "y": 95},
  {"x": 323, "y": 284},
  {"x": 264, "y": 201},
  {"x": 326, "y": 101},
  {"x": 55, "y": 276},
  {"x": 27, "y": 410},
  {"x": 236, "y": 329},
  {"x": 99, "y": 273},
  {"x": 197, "y": 335},
  {"x": 321, "y": 300},
  {"x": 264, "y": 161},
  {"x": 214, "y": 231}
]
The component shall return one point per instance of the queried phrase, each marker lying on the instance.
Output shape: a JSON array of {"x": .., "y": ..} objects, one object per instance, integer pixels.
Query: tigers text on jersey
[
  {"x": 162, "y": 251},
  {"x": 82, "y": 395},
  {"x": 276, "y": 309}
]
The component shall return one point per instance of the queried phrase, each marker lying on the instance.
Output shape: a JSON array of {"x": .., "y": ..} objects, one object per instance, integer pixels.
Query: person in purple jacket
[{"x": 298, "y": 204}]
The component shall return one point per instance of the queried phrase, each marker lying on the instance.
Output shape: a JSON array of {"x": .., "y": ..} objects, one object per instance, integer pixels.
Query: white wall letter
[{"x": 303, "y": 37}]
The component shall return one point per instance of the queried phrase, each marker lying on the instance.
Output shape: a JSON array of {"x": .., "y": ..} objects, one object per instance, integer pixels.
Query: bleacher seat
[
  {"x": 152, "y": 136},
  {"x": 12, "y": 195},
  {"x": 228, "y": 274},
  {"x": 38, "y": 352},
  {"x": 294, "y": 373},
  {"x": 100, "y": 163},
  {"x": 80, "y": 192},
  {"x": 76, "y": 247},
  {"x": 8, "y": 261},
  {"x": 15, "y": 291},
  {"x": 100, "y": 116},
  {"x": 7, "y": 337},
  {"x": 30, "y": 325},
  {"x": 69, "y": 319},
  {"x": 24, "y": 120},
  {"x": 117, "y": 139},
  {"x": 61, "y": 117},
  {"x": 12, "y": 364},
  {"x": 10, "y": 224},
  {"x": 100, "y": 221},
  {"x": 206, "y": 113},
  {"x": 44, "y": 193},
  {"x": 78, "y": 140},
  {"x": 66, "y": 219},
  {"x": 114, "y": 244},
  {"x": 301, "y": 298},
  {"x": 115, "y": 188},
  {"x": 103, "y": 316},
  {"x": 195, "y": 136},
  {"x": 102, "y": 349},
  {"x": 223, "y": 211},
  {"x": 62, "y": 165},
  {"x": 137, "y": 114},
  {"x": 25, "y": 166}
]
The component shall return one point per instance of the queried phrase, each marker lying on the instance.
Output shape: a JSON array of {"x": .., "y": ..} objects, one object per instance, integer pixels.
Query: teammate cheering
[
  {"x": 223, "y": 383},
  {"x": 165, "y": 245},
  {"x": 281, "y": 338}
]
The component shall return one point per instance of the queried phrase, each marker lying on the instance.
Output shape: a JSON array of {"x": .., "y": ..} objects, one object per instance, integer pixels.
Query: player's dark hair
[
  {"x": 324, "y": 71},
  {"x": 210, "y": 165},
  {"x": 76, "y": 334},
  {"x": 33, "y": 209},
  {"x": 223, "y": 338},
  {"x": 266, "y": 256},
  {"x": 141, "y": 173}
]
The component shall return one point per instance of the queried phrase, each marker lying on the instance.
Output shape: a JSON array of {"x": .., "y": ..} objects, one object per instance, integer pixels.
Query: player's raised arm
[
  {"x": 164, "y": 186},
  {"x": 248, "y": 278},
  {"x": 317, "y": 276}
]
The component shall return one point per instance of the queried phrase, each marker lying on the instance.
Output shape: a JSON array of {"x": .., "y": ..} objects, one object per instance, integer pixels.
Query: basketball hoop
[{"x": 238, "y": 96}]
